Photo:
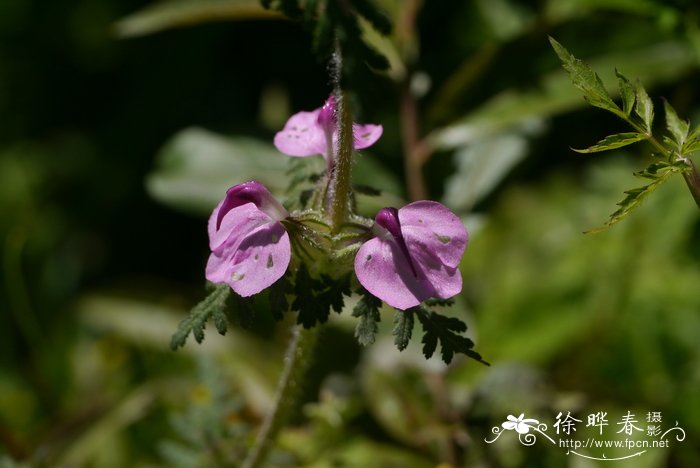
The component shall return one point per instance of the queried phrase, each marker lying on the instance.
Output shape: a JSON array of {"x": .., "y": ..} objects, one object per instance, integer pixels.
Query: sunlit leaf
[
  {"x": 626, "y": 93},
  {"x": 170, "y": 14},
  {"x": 585, "y": 79},
  {"x": 677, "y": 127},
  {"x": 614, "y": 141},
  {"x": 481, "y": 166},
  {"x": 196, "y": 167},
  {"x": 644, "y": 107}
]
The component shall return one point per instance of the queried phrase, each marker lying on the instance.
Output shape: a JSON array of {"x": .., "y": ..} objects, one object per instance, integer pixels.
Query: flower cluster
[{"x": 405, "y": 257}]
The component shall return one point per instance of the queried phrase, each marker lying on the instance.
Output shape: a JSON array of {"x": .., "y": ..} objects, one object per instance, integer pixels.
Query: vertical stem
[
  {"x": 337, "y": 196},
  {"x": 413, "y": 163},
  {"x": 340, "y": 179},
  {"x": 296, "y": 363}
]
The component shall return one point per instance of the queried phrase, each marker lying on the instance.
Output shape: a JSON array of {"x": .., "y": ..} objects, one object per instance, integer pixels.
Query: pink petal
[
  {"x": 302, "y": 135},
  {"x": 366, "y": 135},
  {"x": 240, "y": 220},
  {"x": 429, "y": 226},
  {"x": 385, "y": 272},
  {"x": 253, "y": 264}
]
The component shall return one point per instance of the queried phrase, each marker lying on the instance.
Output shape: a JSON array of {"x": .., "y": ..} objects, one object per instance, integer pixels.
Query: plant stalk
[
  {"x": 692, "y": 180},
  {"x": 296, "y": 363}
]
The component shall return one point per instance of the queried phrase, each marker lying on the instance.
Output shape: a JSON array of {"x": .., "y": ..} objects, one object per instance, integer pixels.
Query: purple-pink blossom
[
  {"x": 316, "y": 132},
  {"x": 414, "y": 254},
  {"x": 250, "y": 248}
]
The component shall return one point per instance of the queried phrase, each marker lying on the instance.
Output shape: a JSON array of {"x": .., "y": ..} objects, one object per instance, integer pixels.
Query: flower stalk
[
  {"x": 296, "y": 362},
  {"x": 342, "y": 169}
]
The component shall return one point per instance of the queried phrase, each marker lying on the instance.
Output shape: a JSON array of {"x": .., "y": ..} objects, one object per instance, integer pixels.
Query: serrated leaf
[
  {"x": 220, "y": 321},
  {"x": 677, "y": 128},
  {"x": 446, "y": 330},
  {"x": 626, "y": 93},
  {"x": 614, "y": 141},
  {"x": 403, "y": 328},
  {"x": 213, "y": 305},
  {"x": 695, "y": 133},
  {"x": 644, "y": 107},
  {"x": 585, "y": 79},
  {"x": 367, "y": 309},
  {"x": 691, "y": 146},
  {"x": 314, "y": 298},
  {"x": 635, "y": 196}
]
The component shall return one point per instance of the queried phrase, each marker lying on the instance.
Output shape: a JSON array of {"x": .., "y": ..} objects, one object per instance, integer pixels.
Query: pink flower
[
  {"x": 315, "y": 132},
  {"x": 250, "y": 248},
  {"x": 414, "y": 255}
]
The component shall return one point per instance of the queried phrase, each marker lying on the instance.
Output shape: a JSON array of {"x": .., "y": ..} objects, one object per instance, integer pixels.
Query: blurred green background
[{"x": 123, "y": 124}]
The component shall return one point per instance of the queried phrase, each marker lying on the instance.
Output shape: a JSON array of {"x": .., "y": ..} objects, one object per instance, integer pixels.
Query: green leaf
[
  {"x": 676, "y": 127},
  {"x": 614, "y": 141},
  {"x": 314, "y": 298},
  {"x": 279, "y": 304},
  {"x": 481, "y": 167},
  {"x": 626, "y": 93},
  {"x": 438, "y": 328},
  {"x": 178, "y": 13},
  {"x": 644, "y": 107},
  {"x": 585, "y": 79},
  {"x": 212, "y": 306},
  {"x": 403, "y": 328},
  {"x": 196, "y": 167},
  {"x": 658, "y": 172},
  {"x": 367, "y": 309}
]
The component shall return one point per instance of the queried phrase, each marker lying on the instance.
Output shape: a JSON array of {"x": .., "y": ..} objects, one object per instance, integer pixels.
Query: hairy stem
[
  {"x": 296, "y": 363},
  {"x": 343, "y": 167}
]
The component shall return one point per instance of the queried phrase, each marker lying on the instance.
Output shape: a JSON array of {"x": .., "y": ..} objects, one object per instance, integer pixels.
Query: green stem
[
  {"x": 691, "y": 177},
  {"x": 692, "y": 180},
  {"x": 340, "y": 178},
  {"x": 296, "y": 363}
]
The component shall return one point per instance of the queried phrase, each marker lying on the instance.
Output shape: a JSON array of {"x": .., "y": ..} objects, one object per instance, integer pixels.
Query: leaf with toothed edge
[
  {"x": 445, "y": 330},
  {"x": 610, "y": 142},
  {"x": 367, "y": 309},
  {"x": 212, "y": 306},
  {"x": 403, "y": 328}
]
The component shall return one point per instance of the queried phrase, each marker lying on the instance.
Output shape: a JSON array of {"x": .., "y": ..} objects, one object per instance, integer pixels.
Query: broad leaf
[
  {"x": 481, "y": 166},
  {"x": 614, "y": 141},
  {"x": 196, "y": 167},
  {"x": 178, "y": 13}
]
